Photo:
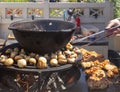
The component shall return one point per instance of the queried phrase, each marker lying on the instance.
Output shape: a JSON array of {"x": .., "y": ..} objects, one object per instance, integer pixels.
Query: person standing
[{"x": 78, "y": 23}]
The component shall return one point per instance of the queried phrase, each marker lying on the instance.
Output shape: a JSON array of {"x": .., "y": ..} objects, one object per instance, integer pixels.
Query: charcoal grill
[
  {"x": 61, "y": 74},
  {"x": 44, "y": 36}
]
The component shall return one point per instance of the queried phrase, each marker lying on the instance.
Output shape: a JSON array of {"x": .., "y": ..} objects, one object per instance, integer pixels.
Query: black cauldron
[{"x": 42, "y": 36}]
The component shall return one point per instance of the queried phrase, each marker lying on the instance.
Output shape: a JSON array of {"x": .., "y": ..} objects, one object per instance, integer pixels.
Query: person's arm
[
  {"x": 118, "y": 19},
  {"x": 112, "y": 23}
]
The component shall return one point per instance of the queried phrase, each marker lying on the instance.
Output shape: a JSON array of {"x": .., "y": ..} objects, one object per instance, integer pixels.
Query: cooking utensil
[
  {"x": 98, "y": 33},
  {"x": 42, "y": 36}
]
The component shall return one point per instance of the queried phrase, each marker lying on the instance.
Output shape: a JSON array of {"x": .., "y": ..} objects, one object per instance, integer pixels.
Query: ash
[{"x": 11, "y": 81}]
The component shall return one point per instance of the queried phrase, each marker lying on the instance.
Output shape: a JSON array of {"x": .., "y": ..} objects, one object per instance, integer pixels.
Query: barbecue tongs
[{"x": 91, "y": 42}]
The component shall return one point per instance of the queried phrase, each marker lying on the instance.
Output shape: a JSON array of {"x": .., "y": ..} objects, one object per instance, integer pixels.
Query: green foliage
[
  {"x": 117, "y": 12},
  {"x": 72, "y": 0},
  {"x": 92, "y": 1},
  {"x": 116, "y": 8},
  {"x": 15, "y": 0}
]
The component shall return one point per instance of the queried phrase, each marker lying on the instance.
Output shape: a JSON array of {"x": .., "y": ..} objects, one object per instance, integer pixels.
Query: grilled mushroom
[
  {"x": 54, "y": 56},
  {"x": 54, "y": 62},
  {"x": 18, "y": 57},
  {"x": 71, "y": 60},
  {"x": 32, "y": 61},
  {"x": 9, "y": 62},
  {"x": 3, "y": 58},
  {"x": 42, "y": 62},
  {"x": 22, "y": 63},
  {"x": 69, "y": 46}
]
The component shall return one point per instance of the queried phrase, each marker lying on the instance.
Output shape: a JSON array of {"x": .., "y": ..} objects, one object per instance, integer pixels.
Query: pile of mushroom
[{"x": 18, "y": 56}]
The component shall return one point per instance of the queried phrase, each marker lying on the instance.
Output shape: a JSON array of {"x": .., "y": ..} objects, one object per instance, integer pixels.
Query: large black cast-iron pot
[{"x": 42, "y": 36}]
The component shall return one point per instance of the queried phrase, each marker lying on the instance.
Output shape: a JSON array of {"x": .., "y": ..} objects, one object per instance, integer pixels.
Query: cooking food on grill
[
  {"x": 71, "y": 56},
  {"x": 98, "y": 75},
  {"x": 3, "y": 58},
  {"x": 62, "y": 58},
  {"x": 110, "y": 73},
  {"x": 37, "y": 56},
  {"x": 32, "y": 61},
  {"x": 17, "y": 57},
  {"x": 91, "y": 70},
  {"x": 111, "y": 67},
  {"x": 98, "y": 70},
  {"x": 98, "y": 80},
  {"x": 62, "y": 61},
  {"x": 53, "y": 59},
  {"x": 101, "y": 84},
  {"x": 69, "y": 46},
  {"x": 22, "y": 63},
  {"x": 67, "y": 52},
  {"x": 71, "y": 60},
  {"x": 77, "y": 50},
  {"x": 54, "y": 62},
  {"x": 90, "y": 55},
  {"x": 87, "y": 64},
  {"x": 54, "y": 55},
  {"x": 9, "y": 62},
  {"x": 42, "y": 62}
]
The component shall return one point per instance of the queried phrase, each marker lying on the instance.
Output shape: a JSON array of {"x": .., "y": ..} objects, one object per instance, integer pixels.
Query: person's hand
[{"x": 113, "y": 23}]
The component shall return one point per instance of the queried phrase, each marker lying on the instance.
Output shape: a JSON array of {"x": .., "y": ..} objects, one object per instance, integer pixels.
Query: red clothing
[{"x": 77, "y": 21}]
